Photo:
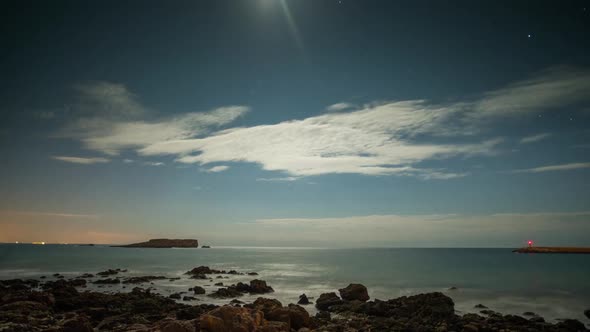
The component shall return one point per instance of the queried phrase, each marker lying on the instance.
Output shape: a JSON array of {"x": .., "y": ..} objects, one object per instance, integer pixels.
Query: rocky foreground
[{"x": 63, "y": 305}]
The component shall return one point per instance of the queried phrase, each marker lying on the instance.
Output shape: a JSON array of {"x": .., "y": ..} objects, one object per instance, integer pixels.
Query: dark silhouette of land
[
  {"x": 164, "y": 243},
  {"x": 553, "y": 250}
]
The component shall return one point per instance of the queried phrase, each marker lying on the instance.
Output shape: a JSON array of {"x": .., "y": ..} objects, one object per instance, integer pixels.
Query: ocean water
[{"x": 553, "y": 286}]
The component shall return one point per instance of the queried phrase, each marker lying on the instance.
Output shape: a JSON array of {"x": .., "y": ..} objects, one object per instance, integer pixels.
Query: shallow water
[{"x": 553, "y": 286}]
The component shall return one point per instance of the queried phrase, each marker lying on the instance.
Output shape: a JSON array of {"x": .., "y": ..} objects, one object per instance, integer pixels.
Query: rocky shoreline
[{"x": 65, "y": 304}]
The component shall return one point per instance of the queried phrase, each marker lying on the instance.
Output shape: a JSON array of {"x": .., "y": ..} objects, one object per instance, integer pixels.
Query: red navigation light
[{"x": 530, "y": 243}]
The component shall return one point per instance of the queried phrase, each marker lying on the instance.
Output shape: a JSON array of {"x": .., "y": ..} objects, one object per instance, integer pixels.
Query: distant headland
[
  {"x": 164, "y": 243},
  {"x": 553, "y": 250}
]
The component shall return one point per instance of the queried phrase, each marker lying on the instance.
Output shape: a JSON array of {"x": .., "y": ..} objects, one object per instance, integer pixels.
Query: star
[{"x": 529, "y": 36}]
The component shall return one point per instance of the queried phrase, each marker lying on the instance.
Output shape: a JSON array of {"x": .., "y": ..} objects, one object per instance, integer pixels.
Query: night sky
[{"x": 296, "y": 122}]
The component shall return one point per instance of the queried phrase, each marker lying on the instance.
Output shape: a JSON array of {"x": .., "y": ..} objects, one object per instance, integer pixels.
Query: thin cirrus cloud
[
  {"x": 554, "y": 168},
  {"x": 389, "y": 138},
  {"x": 217, "y": 169},
  {"x": 535, "y": 138},
  {"x": 82, "y": 160},
  {"x": 339, "y": 107},
  {"x": 51, "y": 214},
  {"x": 109, "y": 119}
]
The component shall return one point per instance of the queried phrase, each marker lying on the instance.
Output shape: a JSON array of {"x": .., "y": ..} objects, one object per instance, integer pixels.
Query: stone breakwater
[{"x": 63, "y": 304}]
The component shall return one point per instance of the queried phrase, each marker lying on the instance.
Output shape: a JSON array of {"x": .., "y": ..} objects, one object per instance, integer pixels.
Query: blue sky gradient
[{"x": 320, "y": 123}]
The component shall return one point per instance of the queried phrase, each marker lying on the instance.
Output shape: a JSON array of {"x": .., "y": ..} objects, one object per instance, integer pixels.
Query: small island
[
  {"x": 164, "y": 243},
  {"x": 553, "y": 250}
]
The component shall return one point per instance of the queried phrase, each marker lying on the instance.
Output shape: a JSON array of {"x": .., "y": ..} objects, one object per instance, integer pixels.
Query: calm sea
[{"x": 554, "y": 286}]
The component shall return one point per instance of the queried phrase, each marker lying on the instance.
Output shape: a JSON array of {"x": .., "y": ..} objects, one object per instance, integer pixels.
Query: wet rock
[
  {"x": 203, "y": 270},
  {"x": 194, "y": 312},
  {"x": 77, "y": 324},
  {"x": 259, "y": 287},
  {"x": 177, "y": 326},
  {"x": 487, "y": 312},
  {"x": 529, "y": 313},
  {"x": 252, "y": 273},
  {"x": 587, "y": 313},
  {"x": 218, "y": 284},
  {"x": 236, "y": 301},
  {"x": 231, "y": 319},
  {"x": 175, "y": 296},
  {"x": 299, "y": 317},
  {"x": 107, "y": 281},
  {"x": 189, "y": 298},
  {"x": 110, "y": 272},
  {"x": 571, "y": 325},
  {"x": 354, "y": 292},
  {"x": 78, "y": 282},
  {"x": 303, "y": 299},
  {"x": 326, "y": 300},
  {"x": 275, "y": 326},
  {"x": 199, "y": 290},
  {"x": 86, "y": 275},
  {"x": 323, "y": 315},
  {"x": 227, "y": 292},
  {"x": 142, "y": 279},
  {"x": 453, "y": 288},
  {"x": 266, "y": 305}
]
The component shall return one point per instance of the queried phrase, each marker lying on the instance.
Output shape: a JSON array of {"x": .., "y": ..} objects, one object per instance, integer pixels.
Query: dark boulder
[
  {"x": 587, "y": 313},
  {"x": 232, "y": 319},
  {"x": 175, "y": 296},
  {"x": 354, "y": 292},
  {"x": 142, "y": 279},
  {"x": 77, "y": 324},
  {"x": 203, "y": 270},
  {"x": 199, "y": 290},
  {"x": 303, "y": 299},
  {"x": 266, "y": 305},
  {"x": 107, "y": 281},
  {"x": 108, "y": 272},
  {"x": 223, "y": 293},
  {"x": 571, "y": 325},
  {"x": 480, "y": 306},
  {"x": 259, "y": 287},
  {"x": 326, "y": 300}
]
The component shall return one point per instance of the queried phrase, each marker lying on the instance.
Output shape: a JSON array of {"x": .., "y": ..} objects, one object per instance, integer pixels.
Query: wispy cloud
[
  {"x": 53, "y": 214},
  {"x": 217, "y": 169},
  {"x": 283, "y": 179},
  {"x": 554, "y": 168},
  {"x": 109, "y": 118},
  {"x": 339, "y": 107},
  {"x": 388, "y": 138},
  {"x": 153, "y": 163},
  {"x": 371, "y": 141},
  {"x": 81, "y": 160},
  {"x": 535, "y": 138},
  {"x": 550, "y": 89}
]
